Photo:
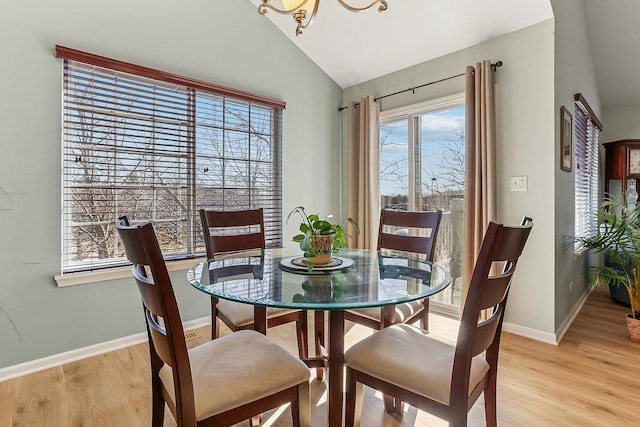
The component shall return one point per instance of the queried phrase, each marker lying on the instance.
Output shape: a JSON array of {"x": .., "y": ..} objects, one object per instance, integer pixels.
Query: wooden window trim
[
  {"x": 123, "y": 81},
  {"x": 586, "y": 145},
  {"x": 578, "y": 97},
  {"x": 114, "y": 64}
]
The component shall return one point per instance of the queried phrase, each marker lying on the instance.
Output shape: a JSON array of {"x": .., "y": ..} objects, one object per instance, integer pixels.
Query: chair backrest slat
[
  {"x": 232, "y": 231},
  {"x": 232, "y": 272},
  {"x": 151, "y": 298},
  {"x": 225, "y": 244},
  {"x": 496, "y": 290},
  {"x": 487, "y": 290},
  {"x": 164, "y": 325},
  {"x": 427, "y": 222},
  {"x": 512, "y": 245},
  {"x": 159, "y": 339},
  {"x": 486, "y": 332}
]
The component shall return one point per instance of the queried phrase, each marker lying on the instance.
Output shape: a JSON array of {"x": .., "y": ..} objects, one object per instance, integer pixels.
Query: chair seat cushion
[
  {"x": 242, "y": 314},
  {"x": 236, "y": 369},
  {"x": 401, "y": 314},
  {"x": 413, "y": 359}
]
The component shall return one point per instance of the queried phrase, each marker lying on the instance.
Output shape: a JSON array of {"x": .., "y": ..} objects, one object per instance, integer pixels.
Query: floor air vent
[{"x": 190, "y": 336}]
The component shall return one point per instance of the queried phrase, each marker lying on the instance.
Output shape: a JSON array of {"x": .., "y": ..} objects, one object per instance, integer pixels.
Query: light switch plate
[{"x": 518, "y": 183}]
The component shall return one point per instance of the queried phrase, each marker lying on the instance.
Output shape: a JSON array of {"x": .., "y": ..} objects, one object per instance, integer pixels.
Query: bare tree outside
[
  {"x": 393, "y": 154},
  {"x": 449, "y": 170},
  {"x": 438, "y": 176},
  {"x": 131, "y": 146},
  {"x": 235, "y": 159},
  {"x": 392, "y": 168},
  {"x": 125, "y": 154},
  {"x": 443, "y": 178}
]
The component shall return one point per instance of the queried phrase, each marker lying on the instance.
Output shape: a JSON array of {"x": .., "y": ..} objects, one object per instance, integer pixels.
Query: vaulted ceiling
[
  {"x": 615, "y": 44},
  {"x": 355, "y": 47}
]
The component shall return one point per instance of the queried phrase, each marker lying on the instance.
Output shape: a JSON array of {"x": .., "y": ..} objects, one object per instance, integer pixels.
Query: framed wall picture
[
  {"x": 566, "y": 145},
  {"x": 634, "y": 162}
]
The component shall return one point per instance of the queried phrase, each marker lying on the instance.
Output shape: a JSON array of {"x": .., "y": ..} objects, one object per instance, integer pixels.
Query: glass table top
[{"x": 363, "y": 278}]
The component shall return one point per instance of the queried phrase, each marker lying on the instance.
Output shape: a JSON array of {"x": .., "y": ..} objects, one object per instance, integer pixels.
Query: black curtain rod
[{"x": 498, "y": 64}]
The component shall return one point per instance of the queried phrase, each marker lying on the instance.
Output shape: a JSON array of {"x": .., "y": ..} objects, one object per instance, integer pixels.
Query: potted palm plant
[
  {"x": 320, "y": 238},
  {"x": 619, "y": 241}
]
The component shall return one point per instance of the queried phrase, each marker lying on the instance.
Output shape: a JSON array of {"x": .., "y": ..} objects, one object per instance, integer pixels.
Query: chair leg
[
  {"x": 393, "y": 405},
  {"x": 353, "y": 400},
  {"x": 424, "y": 319},
  {"x": 398, "y": 406},
  {"x": 303, "y": 335},
  {"x": 389, "y": 404},
  {"x": 215, "y": 332},
  {"x": 157, "y": 404},
  {"x": 490, "y": 406},
  {"x": 319, "y": 340},
  {"x": 459, "y": 420},
  {"x": 301, "y": 407}
]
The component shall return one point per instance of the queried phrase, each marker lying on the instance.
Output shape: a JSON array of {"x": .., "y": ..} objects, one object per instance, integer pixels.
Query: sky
[{"x": 437, "y": 130}]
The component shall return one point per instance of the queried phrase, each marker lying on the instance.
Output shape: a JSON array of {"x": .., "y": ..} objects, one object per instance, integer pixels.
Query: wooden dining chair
[
  {"x": 218, "y": 383},
  {"x": 416, "y": 233},
  {"x": 431, "y": 373},
  {"x": 240, "y": 233}
]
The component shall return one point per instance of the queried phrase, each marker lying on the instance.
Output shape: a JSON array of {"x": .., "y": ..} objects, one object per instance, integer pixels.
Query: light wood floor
[{"x": 591, "y": 379}]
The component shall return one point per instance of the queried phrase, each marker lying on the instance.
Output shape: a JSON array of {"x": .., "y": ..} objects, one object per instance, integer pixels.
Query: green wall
[
  {"x": 574, "y": 72},
  {"x": 621, "y": 123},
  {"x": 544, "y": 66},
  {"x": 525, "y": 146},
  {"x": 222, "y": 41},
  {"x": 227, "y": 42}
]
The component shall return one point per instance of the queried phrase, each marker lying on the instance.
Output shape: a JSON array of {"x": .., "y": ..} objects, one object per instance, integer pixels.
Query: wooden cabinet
[{"x": 622, "y": 162}]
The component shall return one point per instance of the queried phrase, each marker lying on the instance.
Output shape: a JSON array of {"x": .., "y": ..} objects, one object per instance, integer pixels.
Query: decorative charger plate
[{"x": 296, "y": 265}]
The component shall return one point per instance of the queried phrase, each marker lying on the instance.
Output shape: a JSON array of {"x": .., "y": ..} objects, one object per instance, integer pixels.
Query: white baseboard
[
  {"x": 105, "y": 347},
  {"x": 85, "y": 352},
  {"x": 534, "y": 334},
  {"x": 564, "y": 327},
  {"x": 547, "y": 337}
]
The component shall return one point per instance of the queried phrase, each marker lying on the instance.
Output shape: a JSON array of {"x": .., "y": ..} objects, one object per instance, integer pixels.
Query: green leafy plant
[
  {"x": 324, "y": 288},
  {"x": 619, "y": 240},
  {"x": 313, "y": 224}
]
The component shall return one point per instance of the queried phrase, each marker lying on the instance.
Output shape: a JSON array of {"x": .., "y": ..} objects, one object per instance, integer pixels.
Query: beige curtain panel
[
  {"x": 480, "y": 174},
  {"x": 363, "y": 203}
]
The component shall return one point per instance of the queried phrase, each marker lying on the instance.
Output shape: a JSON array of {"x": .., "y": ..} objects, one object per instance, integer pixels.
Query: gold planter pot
[{"x": 322, "y": 244}]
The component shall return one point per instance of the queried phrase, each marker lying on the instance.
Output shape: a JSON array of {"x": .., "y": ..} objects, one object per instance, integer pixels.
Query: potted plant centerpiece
[
  {"x": 619, "y": 241},
  {"x": 323, "y": 288},
  {"x": 320, "y": 238}
]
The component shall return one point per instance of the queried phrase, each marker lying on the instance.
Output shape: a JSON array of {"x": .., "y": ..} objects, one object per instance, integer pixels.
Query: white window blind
[
  {"x": 159, "y": 151},
  {"x": 586, "y": 172}
]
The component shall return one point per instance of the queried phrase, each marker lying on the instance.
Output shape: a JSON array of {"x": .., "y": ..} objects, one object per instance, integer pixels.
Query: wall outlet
[{"x": 518, "y": 183}]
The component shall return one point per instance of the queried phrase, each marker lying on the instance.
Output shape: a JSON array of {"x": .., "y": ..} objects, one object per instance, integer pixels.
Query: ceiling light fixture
[{"x": 303, "y": 11}]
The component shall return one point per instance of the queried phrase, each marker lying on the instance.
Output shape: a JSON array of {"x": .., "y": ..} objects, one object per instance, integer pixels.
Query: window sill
[
  {"x": 579, "y": 252},
  {"x": 81, "y": 278}
]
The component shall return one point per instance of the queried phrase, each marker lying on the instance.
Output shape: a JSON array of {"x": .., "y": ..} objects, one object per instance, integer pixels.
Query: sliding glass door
[{"x": 422, "y": 168}]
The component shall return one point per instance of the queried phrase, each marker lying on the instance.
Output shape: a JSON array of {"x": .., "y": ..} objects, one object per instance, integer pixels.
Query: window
[
  {"x": 159, "y": 150},
  {"x": 422, "y": 168},
  {"x": 587, "y": 127}
]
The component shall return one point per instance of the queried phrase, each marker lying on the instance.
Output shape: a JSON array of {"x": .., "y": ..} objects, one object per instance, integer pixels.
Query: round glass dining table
[{"x": 354, "y": 279}]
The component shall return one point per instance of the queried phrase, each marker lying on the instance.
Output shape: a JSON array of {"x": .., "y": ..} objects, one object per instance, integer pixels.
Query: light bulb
[{"x": 295, "y": 4}]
